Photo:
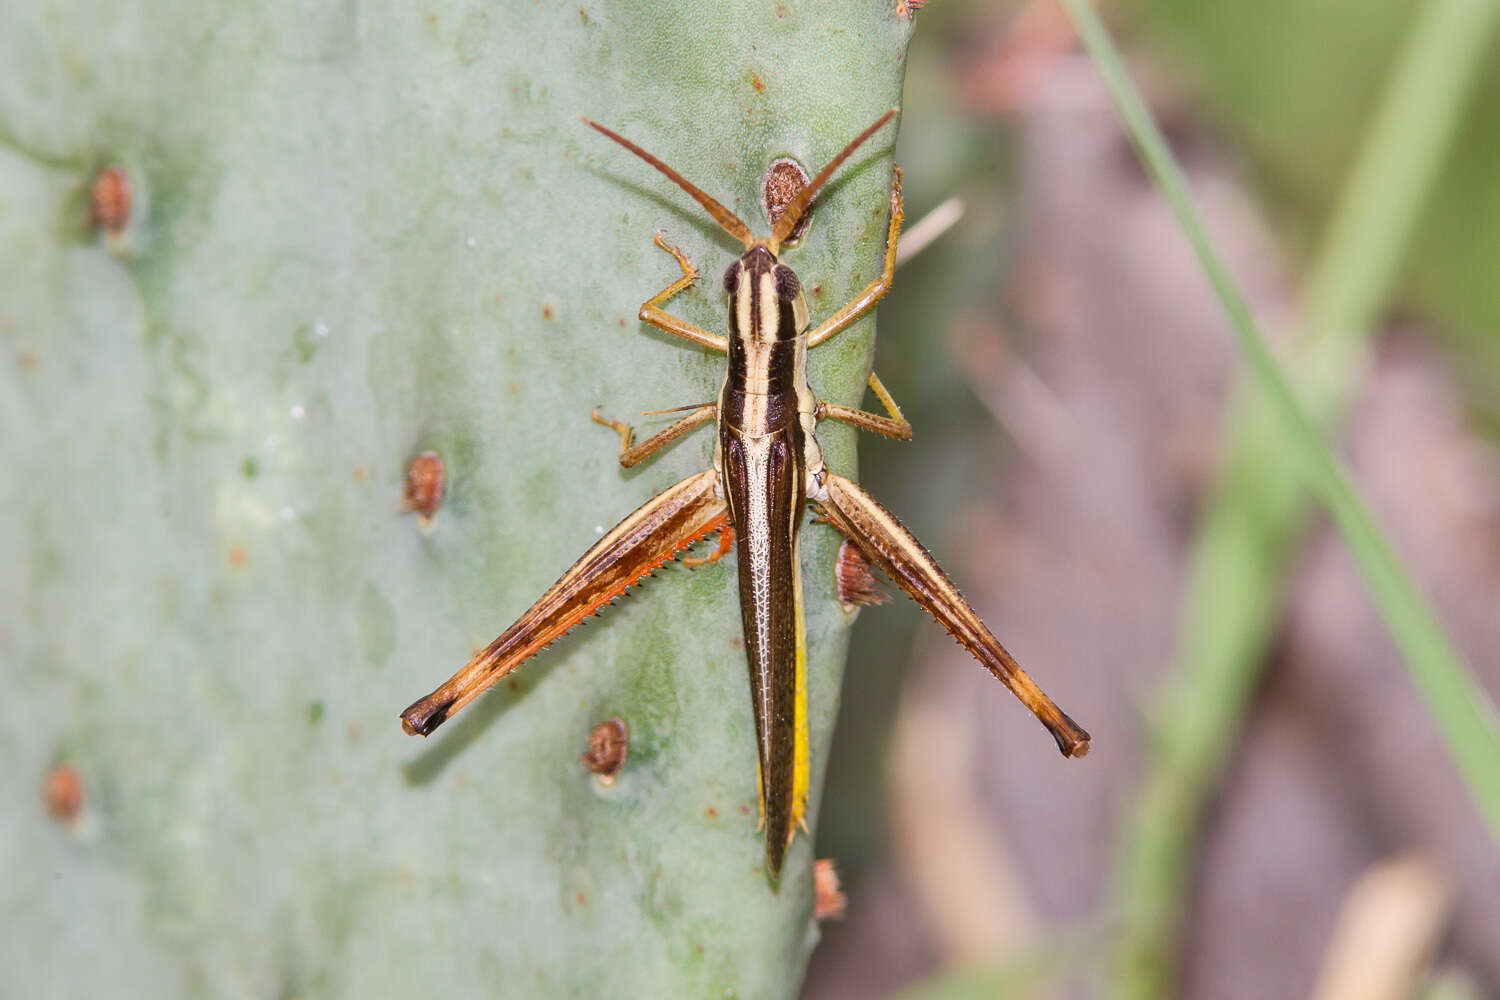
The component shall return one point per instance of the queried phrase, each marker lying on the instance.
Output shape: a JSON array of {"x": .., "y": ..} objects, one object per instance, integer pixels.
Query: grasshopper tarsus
[
  {"x": 726, "y": 540},
  {"x": 689, "y": 269}
]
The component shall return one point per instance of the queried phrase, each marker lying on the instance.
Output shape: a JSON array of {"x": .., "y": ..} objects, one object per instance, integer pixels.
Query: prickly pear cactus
[{"x": 356, "y": 232}]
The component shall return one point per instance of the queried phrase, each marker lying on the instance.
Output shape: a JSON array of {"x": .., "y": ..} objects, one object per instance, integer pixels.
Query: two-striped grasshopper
[{"x": 767, "y": 467}]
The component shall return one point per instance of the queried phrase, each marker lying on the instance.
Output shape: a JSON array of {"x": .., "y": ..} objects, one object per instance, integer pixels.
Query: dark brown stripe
[
  {"x": 786, "y": 325},
  {"x": 736, "y": 375}
]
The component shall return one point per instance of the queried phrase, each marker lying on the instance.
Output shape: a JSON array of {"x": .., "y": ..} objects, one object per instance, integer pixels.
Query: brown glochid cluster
[{"x": 607, "y": 746}]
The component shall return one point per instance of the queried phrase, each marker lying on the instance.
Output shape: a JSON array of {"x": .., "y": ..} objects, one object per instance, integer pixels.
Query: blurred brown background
[{"x": 1068, "y": 372}]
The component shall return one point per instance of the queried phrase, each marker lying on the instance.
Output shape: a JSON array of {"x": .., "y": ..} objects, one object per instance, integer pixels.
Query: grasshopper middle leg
[
  {"x": 894, "y": 426},
  {"x": 631, "y": 455}
]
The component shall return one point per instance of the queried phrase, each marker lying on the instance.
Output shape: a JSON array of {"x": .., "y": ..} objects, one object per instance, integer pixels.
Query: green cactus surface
[{"x": 359, "y": 231}]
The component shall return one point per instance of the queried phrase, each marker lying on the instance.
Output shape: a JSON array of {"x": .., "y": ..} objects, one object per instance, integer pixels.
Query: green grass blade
[{"x": 1251, "y": 530}]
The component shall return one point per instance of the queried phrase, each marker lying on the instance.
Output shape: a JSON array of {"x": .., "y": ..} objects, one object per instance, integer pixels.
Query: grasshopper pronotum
[{"x": 767, "y": 466}]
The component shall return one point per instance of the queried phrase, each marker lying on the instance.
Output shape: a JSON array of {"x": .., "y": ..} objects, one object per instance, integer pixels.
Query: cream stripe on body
[{"x": 758, "y": 537}]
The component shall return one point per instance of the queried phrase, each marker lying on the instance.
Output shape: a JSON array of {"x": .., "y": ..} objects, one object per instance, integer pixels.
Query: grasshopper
[{"x": 767, "y": 466}]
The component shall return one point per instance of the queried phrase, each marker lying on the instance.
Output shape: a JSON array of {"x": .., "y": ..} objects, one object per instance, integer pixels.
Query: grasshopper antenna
[
  {"x": 731, "y": 223},
  {"x": 798, "y": 205}
]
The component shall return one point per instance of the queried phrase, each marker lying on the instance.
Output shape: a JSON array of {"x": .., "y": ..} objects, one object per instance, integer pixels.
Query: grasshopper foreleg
[
  {"x": 653, "y": 313},
  {"x": 875, "y": 290}
]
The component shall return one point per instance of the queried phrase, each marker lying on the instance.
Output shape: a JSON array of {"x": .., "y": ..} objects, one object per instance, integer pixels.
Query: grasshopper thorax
[{"x": 766, "y": 304}]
